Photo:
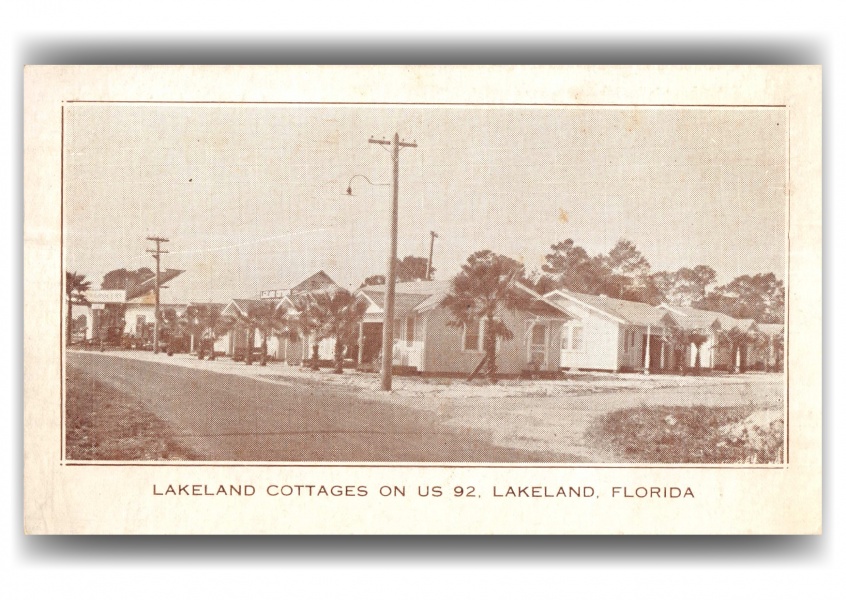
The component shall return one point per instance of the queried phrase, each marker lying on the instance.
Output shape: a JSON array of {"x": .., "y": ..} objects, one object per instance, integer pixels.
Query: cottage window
[
  {"x": 572, "y": 337},
  {"x": 538, "y": 334},
  {"x": 625, "y": 342},
  {"x": 397, "y": 328},
  {"x": 409, "y": 330},
  {"x": 472, "y": 336},
  {"x": 537, "y": 349},
  {"x": 140, "y": 322},
  {"x": 577, "y": 338}
]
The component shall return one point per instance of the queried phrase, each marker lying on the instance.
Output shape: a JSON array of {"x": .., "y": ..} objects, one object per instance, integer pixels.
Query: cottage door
[{"x": 537, "y": 347}]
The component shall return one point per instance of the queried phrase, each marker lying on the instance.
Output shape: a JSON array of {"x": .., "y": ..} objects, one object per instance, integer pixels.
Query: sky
[{"x": 252, "y": 196}]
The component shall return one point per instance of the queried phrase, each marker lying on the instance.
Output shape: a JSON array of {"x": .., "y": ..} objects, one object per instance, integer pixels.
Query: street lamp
[
  {"x": 390, "y": 272},
  {"x": 349, "y": 185}
]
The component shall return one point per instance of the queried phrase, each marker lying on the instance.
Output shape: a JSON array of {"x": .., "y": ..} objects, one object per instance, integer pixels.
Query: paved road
[{"x": 226, "y": 417}]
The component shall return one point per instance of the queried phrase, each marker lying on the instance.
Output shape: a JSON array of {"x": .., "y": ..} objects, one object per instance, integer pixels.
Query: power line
[
  {"x": 157, "y": 254},
  {"x": 390, "y": 276}
]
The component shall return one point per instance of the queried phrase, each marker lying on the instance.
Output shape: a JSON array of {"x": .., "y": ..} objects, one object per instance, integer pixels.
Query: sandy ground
[{"x": 548, "y": 417}]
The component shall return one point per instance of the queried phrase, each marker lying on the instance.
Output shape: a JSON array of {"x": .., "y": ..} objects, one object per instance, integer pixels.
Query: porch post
[
  {"x": 360, "y": 342},
  {"x": 646, "y": 357},
  {"x": 663, "y": 344},
  {"x": 770, "y": 353}
]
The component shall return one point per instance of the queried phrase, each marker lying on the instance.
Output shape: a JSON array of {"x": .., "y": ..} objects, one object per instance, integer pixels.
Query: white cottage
[
  {"x": 716, "y": 352},
  {"x": 279, "y": 347},
  {"x": 423, "y": 341},
  {"x": 612, "y": 335}
]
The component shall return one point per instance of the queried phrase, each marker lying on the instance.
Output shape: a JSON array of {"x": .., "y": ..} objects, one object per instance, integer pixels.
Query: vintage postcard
[{"x": 546, "y": 300}]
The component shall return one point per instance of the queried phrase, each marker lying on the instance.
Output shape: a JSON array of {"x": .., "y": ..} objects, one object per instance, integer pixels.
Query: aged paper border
[{"x": 117, "y": 499}]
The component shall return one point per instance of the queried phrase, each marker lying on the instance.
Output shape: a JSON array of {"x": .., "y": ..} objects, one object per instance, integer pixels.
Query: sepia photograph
[
  {"x": 440, "y": 300},
  {"x": 424, "y": 283}
]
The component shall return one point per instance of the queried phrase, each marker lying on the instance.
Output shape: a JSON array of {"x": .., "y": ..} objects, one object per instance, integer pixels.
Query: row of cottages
[
  {"x": 613, "y": 335},
  {"x": 561, "y": 330},
  {"x": 621, "y": 335},
  {"x": 279, "y": 347},
  {"x": 714, "y": 352},
  {"x": 423, "y": 340}
]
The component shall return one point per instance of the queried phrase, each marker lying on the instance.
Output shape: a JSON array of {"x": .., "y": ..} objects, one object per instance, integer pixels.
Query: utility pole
[
  {"x": 157, "y": 254},
  {"x": 431, "y": 250},
  {"x": 390, "y": 275}
]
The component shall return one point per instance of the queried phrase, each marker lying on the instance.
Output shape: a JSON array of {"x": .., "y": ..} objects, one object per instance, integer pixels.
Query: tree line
[
  {"x": 489, "y": 282},
  {"x": 626, "y": 274}
]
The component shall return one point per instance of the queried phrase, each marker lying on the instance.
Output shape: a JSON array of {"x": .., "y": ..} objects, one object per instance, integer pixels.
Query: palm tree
[
  {"x": 697, "y": 337},
  {"x": 777, "y": 342},
  {"x": 680, "y": 339},
  {"x": 677, "y": 338},
  {"x": 75, "y": 288},
  {"x": 285, "y": 323},
  {"x": 738, "y": 340},
  {"x": 258, "y": 316},
  {"x": 335, "y": 315},
  {"x": 306, "y": 326},
  {"x": 172, "y": 328},
  {"x": 270, "y": 319},
  {"x": 204, "y": 322},
  {"x": 479, "y": 293}
]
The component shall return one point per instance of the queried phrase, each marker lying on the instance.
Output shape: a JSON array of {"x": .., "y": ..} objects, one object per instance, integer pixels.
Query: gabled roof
[
  {"x": 150, "y": 299},
  {"x": 744, "y": 324},
  {"x": 425, "y": 295},
  {"x": 301, "y": 283},
  {"x": 695, "y": 318},
  {"x": 422, "y": 287},
  {"x": 148, "y": 285},
  {"x": 705, "y": 319},
  {"x": 242, "y": 306},
  {"x": 288, "y": 303},
  {"x": 622, "y": 311},
  {"x": 540, "y": 306},
  {"x": 771, "y": 329},
  {"x": 209, "y": 305},
  {"x": 422, "y": 296},
  {"x": 408, "y": 295}
]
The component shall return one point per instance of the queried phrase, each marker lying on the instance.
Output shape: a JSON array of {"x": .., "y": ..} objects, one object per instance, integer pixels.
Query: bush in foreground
[{"x": 694, "y": 434}]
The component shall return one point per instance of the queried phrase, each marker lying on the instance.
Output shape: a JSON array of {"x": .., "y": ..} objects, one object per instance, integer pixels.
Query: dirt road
[
  {"x": 225, "y": 417},
  {"x": 230, "y": 411}
]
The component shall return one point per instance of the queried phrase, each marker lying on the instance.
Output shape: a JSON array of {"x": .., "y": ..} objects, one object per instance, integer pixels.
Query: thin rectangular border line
[{"x": 62, "y": 449}]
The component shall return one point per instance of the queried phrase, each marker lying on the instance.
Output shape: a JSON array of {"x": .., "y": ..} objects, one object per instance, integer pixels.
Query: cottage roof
[
  {"x": 422, "y": 287},
  {"x": 301, "y": 283},
  {"x": 694, "y": 318},
  {"x": 165, "y": 298},
  {"x": 149, "y": 285},
  {"x": 242, "y": 306},
  {"x": 408, "y": 295},
  {"x": 403, "y": 303},
  {"x": 771, "y": 329},
  {"x": 535, "y": 303},
  {"x": 626, "y": 311},
  {"x": 705, "y": 319},
  {"x": 422, "y": 296},
  {"x": 208, "y": 305},
  {"x": 540, "y": 306},
  {"x": 745, "y": 324}
]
